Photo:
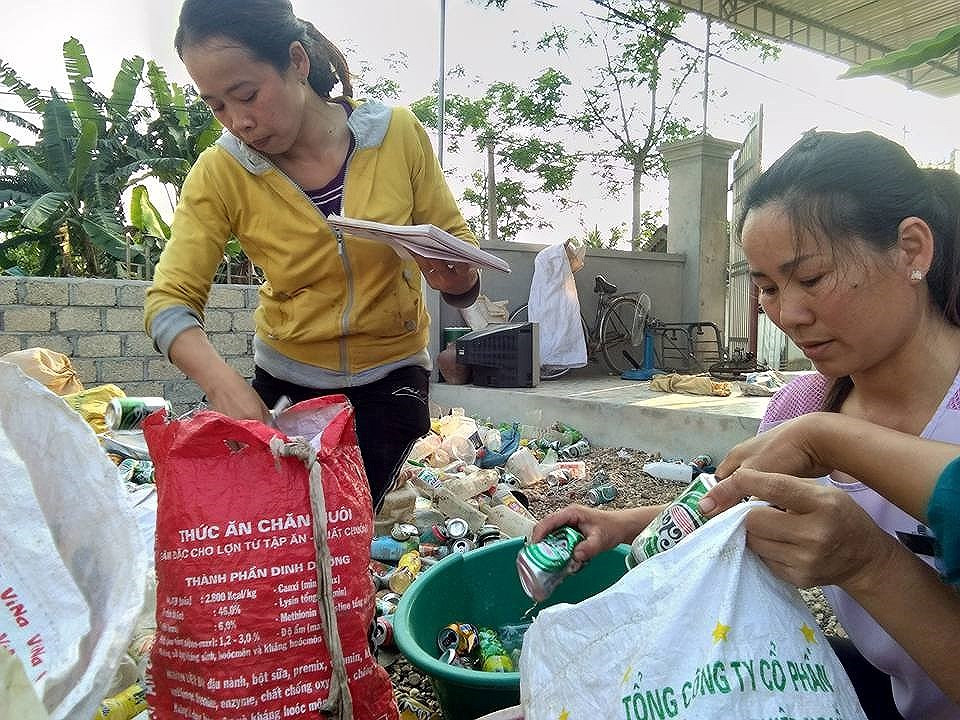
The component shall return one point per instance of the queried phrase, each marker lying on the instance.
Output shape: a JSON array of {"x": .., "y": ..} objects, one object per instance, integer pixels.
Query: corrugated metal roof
[{"x": 850, "y": 30}]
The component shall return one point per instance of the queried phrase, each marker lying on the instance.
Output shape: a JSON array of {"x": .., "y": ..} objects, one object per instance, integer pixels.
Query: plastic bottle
[
  {"x": 468, "y": 486},
  {"x": 388, "y": 549},
  {"x": 510, "y": 522},
  {"x": 503, "y": 495},
  {"x": 675, "y": 472},
  {"x": 524, "y": 465},
  {"x": 452, "y": 506},
  {"x": 424, "y": 447},
  {"x": 459, "y": 447}
]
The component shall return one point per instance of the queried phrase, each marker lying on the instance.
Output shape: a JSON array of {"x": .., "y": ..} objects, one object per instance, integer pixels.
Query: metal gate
[{"x": 741, "y": 310}]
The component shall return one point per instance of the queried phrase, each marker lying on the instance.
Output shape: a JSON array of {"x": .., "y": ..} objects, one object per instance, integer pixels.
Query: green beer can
[
  {"x": 543, "y": 565},
  {"x": 128, "y": 413},
  {"x": 675, "y": 522}
]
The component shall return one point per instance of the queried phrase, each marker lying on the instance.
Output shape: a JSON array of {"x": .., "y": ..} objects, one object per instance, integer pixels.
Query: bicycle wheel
[
  {"x": 519, "y": 315},
  {"x": 617, "y": 333}
]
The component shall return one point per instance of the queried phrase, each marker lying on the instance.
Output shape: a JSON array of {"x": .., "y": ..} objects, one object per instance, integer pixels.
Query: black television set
[{"x": 502, "y": 355}]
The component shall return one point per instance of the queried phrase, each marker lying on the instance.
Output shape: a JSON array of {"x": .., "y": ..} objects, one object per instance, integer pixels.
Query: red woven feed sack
[{"x": 240, "y": 632}]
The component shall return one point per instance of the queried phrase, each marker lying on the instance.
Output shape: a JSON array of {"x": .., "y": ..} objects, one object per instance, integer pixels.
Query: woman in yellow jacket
[{"x": 336, "y": 313}]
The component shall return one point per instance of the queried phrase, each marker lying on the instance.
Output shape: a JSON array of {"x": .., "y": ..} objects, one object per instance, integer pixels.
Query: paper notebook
[{"x": 425, "y": 240}]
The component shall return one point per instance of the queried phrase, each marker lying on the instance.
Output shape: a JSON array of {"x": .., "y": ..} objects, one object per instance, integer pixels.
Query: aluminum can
[
  {"x": 543, "y": 565},
  {"x": 701, "y": 462},
  {"x": 383, "y": 633},
  {"x": 387, "y": 602},
  {"x": 675, "y": 522},
  {"x": 139, "y": 472},
  {"x": 456, "y": 528},
  {"x": 461, "y": 545},
  {"x": 404, "y": 531},
  {"x": 493, "y": 656},
  {"x": 389, "y": 549},
  {"x": 433, "y": 550},
  {"x": 124, "y": 705},
  {"x": 460, "y": 637},
  {"x": 487, "y": 534},
  {"x": 411, "y": 709},
  {"x": 600, "y": 494},
  {"x": 578, "y": 449},
  {"x": 128, "y": 413}
]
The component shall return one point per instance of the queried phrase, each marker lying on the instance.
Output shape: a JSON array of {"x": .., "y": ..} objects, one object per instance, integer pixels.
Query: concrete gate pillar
[{"x": 698, "y": 173}]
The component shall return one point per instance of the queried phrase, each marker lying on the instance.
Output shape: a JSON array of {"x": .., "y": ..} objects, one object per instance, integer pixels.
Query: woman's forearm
[
  {"x": 920, "y": 612},
  {"x": 901, "y": 467}
]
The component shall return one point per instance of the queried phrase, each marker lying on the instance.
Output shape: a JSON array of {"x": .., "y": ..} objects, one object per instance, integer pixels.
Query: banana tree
[{"x": 60, "y": 196}]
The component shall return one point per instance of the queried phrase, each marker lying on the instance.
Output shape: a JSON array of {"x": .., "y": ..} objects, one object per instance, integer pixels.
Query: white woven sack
[
  {"x": 72, "y": 564},
  {"x": 702, "y": 631}
]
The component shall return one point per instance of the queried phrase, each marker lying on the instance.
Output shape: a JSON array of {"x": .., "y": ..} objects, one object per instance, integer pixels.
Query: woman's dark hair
[
  {"x": 845, "y": 187},
  {"x": 265, "y": 28}
]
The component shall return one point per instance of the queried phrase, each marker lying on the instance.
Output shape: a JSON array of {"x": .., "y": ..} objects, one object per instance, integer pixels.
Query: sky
[{"x": 798, "y": 91}]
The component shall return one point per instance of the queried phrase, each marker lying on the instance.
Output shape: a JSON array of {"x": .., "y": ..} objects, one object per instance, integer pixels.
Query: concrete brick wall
[{"x": 98, "y": 324}]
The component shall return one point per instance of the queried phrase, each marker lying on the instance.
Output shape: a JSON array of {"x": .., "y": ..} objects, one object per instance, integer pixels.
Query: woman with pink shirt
[{"x": 854, "y": 251}]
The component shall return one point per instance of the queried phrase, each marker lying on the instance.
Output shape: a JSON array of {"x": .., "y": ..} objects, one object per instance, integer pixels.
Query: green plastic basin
[{"x": 482, "y": 588}]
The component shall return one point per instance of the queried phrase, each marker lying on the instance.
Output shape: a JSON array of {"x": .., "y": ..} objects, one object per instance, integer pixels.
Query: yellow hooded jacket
[{"x": 346, "y": 304}]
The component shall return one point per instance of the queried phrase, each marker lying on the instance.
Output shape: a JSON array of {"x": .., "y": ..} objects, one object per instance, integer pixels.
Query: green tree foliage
[
  {"x": 549, "y": 130},
  {"x": 914, "y": 55},
  {"x": 519, "y": 123},
  {"x": 61, "y": 191}
]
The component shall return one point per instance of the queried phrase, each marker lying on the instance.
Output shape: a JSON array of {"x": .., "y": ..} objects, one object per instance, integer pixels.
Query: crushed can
[
  {"x": 542, "y": 566},
  {"x": 493, "y": 656},
  {"x": 404, "y": 531},
  {"x": 578, "y": 449},
  {"x": 383, "y": 633},
  {"x": 387, "y": 602},
  {"x": 675, "y": 522},
  {"x": 487, "y": 534},
  {"x": 139, "y": 472},
  {"x": 601, "y": 493},
  {"x": 462, "y": 638},
  {"x": 411, "y": 709},
  {"x": 461, "y": 545}
]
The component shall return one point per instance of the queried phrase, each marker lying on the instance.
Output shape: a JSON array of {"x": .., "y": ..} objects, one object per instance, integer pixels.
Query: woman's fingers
[{"x": 784, "y": 491}]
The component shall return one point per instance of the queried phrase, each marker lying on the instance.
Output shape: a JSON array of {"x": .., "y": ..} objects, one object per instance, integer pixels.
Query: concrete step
[{"x": 612, "y": 412}]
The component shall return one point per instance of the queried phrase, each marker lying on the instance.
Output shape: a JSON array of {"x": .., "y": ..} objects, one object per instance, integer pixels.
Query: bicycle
[{"x": 618, "y": 329}]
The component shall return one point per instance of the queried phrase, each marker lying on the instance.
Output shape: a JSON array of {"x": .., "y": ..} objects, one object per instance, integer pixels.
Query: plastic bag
[
  {"x": 72, "y": 565},
  {"x": 51, "y": 369},
  {"x": 253, "y": 619},
  {"x": 92, "y": 404},
  {"x": 555, "y": 305},
  {"x": 703, "y": 630},
  {"x": 485, "y": 311}
]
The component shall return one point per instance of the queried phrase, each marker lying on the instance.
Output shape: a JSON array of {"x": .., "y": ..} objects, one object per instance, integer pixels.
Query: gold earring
[{"x": 916, "y": 275}]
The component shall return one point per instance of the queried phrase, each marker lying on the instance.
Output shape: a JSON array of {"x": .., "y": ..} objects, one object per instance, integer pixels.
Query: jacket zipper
[{"x": 341, "y": 251}]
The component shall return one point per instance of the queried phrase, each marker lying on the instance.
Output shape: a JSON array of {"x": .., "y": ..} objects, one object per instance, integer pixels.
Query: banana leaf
[
  {"x": 912, "y": 56},
  {"x": 125, "y": 86},
  {"x": 47, "y": 211},
  {"x": 105, "y": 233},
  {"x": 144, "y": 216},
  {"x": 28, "y": 93},
  {"x": 79, "y": 72},
  {"x": 83, "y": 155},
  {"x": 59, "y": 134}
]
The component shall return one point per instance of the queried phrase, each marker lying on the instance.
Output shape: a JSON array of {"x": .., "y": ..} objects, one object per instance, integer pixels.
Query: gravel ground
[{"x": 634, "y": 488}]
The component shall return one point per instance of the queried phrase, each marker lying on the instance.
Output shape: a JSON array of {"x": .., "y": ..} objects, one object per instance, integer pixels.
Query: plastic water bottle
[{"x": 675, "y": 472}]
